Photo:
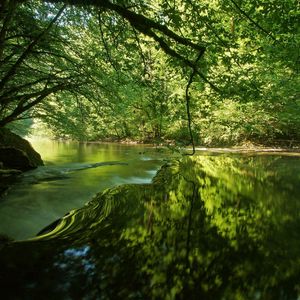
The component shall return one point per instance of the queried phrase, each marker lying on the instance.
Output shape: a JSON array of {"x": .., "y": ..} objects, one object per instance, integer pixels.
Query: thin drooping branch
[
  {"x": 252, "y": 21},
  {"x": 187, "y": 102},
  {"x": 29, "y": 48}
]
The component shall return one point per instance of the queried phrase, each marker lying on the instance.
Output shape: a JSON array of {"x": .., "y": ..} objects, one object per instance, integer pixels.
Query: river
[
  {"x": 49, "y": 192},
  {"x": 213, "y": 226}
]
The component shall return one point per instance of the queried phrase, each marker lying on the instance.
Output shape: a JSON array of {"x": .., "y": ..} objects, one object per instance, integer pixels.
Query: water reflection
[{"x": 209, "y": 227}]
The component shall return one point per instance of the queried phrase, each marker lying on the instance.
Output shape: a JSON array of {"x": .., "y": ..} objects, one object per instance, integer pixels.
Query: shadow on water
[{"x": 208, "y": 227}]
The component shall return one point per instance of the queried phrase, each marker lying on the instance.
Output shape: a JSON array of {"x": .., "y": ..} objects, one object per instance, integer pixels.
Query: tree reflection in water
[{"x": 209, "y": 227}]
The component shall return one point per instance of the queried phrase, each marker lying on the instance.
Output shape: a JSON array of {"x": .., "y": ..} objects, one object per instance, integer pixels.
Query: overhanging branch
[
  {"x": 147, "y": 27},
  {"x": 28, "y": 50}
]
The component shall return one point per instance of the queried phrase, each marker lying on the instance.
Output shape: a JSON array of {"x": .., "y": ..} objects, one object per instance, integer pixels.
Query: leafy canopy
[{"x": 124, "y": 69}]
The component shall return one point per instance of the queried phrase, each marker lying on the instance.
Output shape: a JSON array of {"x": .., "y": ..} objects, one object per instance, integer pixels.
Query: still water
[
  {"x": 212, "y": 226},
  {"x": 67, "y": 182}
]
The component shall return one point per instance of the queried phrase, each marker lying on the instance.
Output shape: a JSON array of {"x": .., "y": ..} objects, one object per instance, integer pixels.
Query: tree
[
  {"x": 34, "y": 64},
  {"x": 236, "y": 52}
]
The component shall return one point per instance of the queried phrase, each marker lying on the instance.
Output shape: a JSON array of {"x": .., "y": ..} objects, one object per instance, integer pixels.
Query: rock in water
[{"x": 17, "y": 153}]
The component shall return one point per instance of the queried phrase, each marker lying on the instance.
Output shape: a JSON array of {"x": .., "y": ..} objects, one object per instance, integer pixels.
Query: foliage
[{"x": 95, "y": 70}]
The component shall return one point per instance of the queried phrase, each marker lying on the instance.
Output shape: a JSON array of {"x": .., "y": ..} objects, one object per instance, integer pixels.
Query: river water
[
  {"x": 66, "y": 182},
  {"x": 218, "y": 226}
]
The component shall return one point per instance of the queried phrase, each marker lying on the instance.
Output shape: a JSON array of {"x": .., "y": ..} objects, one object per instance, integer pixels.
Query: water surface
[
  {"x": 224, "y": 227},
  {"x": 49, "y": 192},
  {"x": 213, "y": 226}
]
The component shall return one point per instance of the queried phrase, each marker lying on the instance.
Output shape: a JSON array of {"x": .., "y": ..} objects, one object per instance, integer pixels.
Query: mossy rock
[{"x": 17, "y": 153}]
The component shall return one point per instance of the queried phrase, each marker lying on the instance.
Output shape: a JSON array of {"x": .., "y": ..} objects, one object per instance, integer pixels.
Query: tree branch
[
  {"x": 252, "y": 21},
  {"x": 28, "y": 50},
  {"x": 146, "y": 26},
  {"x": 11, "y": 6},
  {"x": 140, "y": 50},
  {"x": 105, "y": 44},
  {"x": 187, "y": 101},
  {"x": 165, "y": 47},
  {"x": 143, "y": 24},
  {"x": 21, "y": 109}
]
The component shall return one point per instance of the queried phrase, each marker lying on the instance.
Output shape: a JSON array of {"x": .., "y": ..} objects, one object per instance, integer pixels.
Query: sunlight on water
[{"x": 64, "y": 183}]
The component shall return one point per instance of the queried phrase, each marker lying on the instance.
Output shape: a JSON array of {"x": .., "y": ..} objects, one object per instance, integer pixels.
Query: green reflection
[
  {"x": 224, "y": 230},
  {"x": 208, "y": 227}
]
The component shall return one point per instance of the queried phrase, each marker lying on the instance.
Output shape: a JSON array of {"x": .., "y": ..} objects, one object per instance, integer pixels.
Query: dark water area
[{"x": 208, "y": 227}]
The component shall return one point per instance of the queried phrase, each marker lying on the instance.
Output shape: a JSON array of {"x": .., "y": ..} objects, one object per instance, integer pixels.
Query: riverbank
[
  {"x": 268, "y": 144},
  {"x": 286, "y": 146},
  {"x": 257, "y": 150}
]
